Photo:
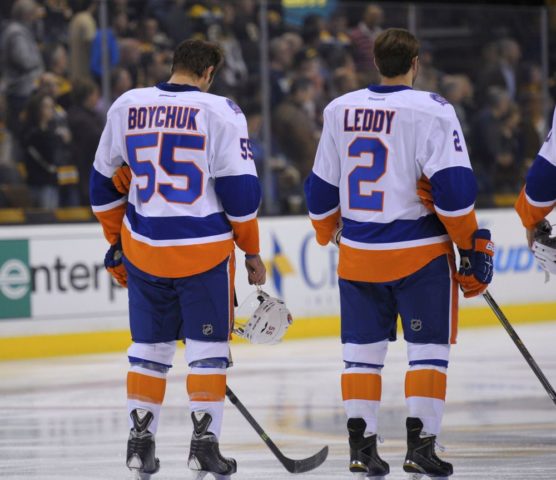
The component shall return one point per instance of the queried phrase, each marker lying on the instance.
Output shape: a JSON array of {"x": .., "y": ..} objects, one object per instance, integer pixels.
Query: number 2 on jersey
[
  {"x": 375, "y": 200},
  {"x": 168, "y": 163}
]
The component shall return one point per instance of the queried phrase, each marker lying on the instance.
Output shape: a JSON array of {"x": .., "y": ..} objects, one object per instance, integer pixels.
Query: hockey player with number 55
[
  {"x": 193, "y": 195},
  {"x": 537, "y": 200},
  {"x": 388, "y": 155}
]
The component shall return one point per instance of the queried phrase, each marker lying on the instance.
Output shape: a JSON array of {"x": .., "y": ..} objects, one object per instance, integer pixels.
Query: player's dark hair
[
  {"x": 394, "y": 50},
  {"x": 195, "y": 56}
]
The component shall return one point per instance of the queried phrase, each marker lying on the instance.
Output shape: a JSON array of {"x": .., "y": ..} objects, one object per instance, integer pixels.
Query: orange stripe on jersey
[
  {"x": 175, "y": 262},
  {"x": 530, "y": 214},
  {"x": 387, "y": 265},
  {"x": 325, "y": 227},
  {"x": 246, "y": 235},
  {"x": 425, "y": 383},
  {"x": 145, "y": 388},
  {"x": 361, "y": 386},
  {"x": 461, "y": 229},
  {"x": 206, "y": 388},
  {"x": 111, "y": 221}
]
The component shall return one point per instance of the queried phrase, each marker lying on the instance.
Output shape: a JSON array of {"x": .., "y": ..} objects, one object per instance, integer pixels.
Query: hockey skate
[
  {"x": 421, "y": 458},
  {"x": 363, "y": 452},
  {"x": 141, "y": 447},
  {"x": 204, "y": 454}
]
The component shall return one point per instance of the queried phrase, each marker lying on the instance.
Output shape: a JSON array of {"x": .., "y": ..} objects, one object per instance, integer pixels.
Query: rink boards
[{"x": 56, "y": 298}]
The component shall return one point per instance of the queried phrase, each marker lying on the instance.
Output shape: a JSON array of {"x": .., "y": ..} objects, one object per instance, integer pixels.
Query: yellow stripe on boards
[{"x": 41, "y": 346}]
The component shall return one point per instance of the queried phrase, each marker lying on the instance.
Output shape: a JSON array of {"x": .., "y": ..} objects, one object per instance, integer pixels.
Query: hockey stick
[
  {"x": 519, "y": 344},
  {"x": 292, "y": 466}
]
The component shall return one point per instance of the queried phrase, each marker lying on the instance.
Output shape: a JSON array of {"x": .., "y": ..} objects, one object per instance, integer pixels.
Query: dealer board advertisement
[{"x": 55, "y": 273}]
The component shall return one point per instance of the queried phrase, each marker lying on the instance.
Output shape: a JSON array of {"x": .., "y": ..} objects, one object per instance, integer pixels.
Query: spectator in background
[
  {"x": 429, "y": 77},
  {"x": 294, "y": 127},
  {"x": 363, "y": 39},
  {"x": 503, "y": 72},
  {"x": 57, "y": 64},
  {"x": 86, "y": 126},
  {"x": 174, "y": 20},
  {"x": 246, "y": 30},
  {"x": 508, "y": 166},
  {"x": 21, "y": 59},
  {"x": 81, "y": 32},
  {"x": 8, "y": 168},
  {"x": 96, "y": 51},
  {"x": 458, "y": 90},
  {"x": 281, "y": 60},
  {"x": 487, "y": 138},
  {"x": 344, "y": 81},
  {"x": 57, "y": 15},
  {"x": 233, "y": 73},
  {"x": 43, "y": 149},
  {"x": 120, "y": 82}
]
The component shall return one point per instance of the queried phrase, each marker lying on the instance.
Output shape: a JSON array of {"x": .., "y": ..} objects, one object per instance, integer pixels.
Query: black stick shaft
[
  {"x": 520, "y": 345},
  {"x": 266, "y": 439}
]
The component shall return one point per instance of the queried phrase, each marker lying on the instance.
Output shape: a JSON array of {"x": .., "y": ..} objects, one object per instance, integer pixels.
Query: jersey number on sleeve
[
  {"x": 168, "y": 163},
  {"x": 375, "y": 200}
]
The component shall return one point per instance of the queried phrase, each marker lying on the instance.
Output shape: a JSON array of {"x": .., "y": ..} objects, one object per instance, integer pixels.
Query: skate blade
[
  {"x": 203, "y": 475},
  {"x": 415, "y": 476},
  {"x": 141, "y": 475}
]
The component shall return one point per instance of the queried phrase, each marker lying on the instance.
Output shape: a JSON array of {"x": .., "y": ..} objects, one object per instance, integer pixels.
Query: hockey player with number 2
[
  {"x": 193, "y": 191},
  {"x": 388, "y": 155},
  {"x": 537, "y": 200}
]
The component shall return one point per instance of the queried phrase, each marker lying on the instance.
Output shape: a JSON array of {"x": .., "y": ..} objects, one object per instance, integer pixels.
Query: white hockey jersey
[
  {"x": 538, "y": 197},
  {"x": 194, "y": 185},
  {"x": 376, "y": 144}
]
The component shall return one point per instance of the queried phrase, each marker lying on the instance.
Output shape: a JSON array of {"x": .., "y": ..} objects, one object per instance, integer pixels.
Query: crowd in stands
[{"x": 52, "y": 112}]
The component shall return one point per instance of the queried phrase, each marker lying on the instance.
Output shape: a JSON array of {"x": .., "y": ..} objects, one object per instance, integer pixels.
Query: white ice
[{"x": 65, "y": 418}]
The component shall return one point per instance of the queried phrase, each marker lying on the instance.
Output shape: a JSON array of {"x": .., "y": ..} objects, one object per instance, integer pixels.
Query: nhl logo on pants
[
  {"x": 207, "y": 329},
  {"x": 416, "y": 324}
]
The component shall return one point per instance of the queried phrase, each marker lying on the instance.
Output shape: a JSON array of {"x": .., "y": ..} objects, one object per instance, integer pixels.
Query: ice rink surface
[{"x": 65, "y": 418}]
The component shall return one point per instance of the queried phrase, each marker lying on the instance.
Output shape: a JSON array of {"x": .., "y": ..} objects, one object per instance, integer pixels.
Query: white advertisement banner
[{"x": 52, "y": 278}]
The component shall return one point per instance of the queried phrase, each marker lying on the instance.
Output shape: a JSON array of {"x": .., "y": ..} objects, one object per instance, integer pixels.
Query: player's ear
[
  {"x": 209, "y": 74},
  {"x": 415, "y": 67}
]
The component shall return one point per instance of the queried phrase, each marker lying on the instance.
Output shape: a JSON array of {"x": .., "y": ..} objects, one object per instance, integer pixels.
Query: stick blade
[{"x": 306, "y": 464}]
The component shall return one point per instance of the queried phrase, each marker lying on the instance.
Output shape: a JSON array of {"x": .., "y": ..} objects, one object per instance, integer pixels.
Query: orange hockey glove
[
  {"x": 113, "y": 263},
  {"x": 122, "y": 179},
  {"x": 424, "y": 192},
  {"x": 476, "y": 266}
]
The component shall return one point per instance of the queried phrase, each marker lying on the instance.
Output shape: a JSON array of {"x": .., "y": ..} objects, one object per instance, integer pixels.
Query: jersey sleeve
[
  {"x": 235, "y": 177},
  {"x": 538, "y": 197},
  {"x": 107, "y": 203},
  {"x": 322, "y": 186},
  {"x": 445, "y": 162}
]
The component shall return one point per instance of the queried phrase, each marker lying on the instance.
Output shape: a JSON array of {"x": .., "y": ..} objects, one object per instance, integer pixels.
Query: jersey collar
[
  {"x": 388, "y": 88},
  {"x": 176, "y": 87}
]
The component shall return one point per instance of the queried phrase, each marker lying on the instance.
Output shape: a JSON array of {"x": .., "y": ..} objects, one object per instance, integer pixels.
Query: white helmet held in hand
[{"x": 262, "y": 319}]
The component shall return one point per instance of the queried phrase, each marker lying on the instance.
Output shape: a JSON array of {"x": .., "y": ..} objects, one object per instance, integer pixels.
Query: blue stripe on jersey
[
  {"x": 321, "y": 196},
  {"x": 388, "y": 88},
  {"x": 175, "y": 228},
  {"x": 454, "y": 188},
  {"x": 240, "y": 194},
  {"x": 101, "y": 189},
  {"x": 143, "y": 360},
  {"x": 177, "y": 87},
  {"x": 431, "y": 361},
  {"x": 541, "y": 181},
  {"x": 396, "y": 231},
  {"x": 362, "y": 365}
]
